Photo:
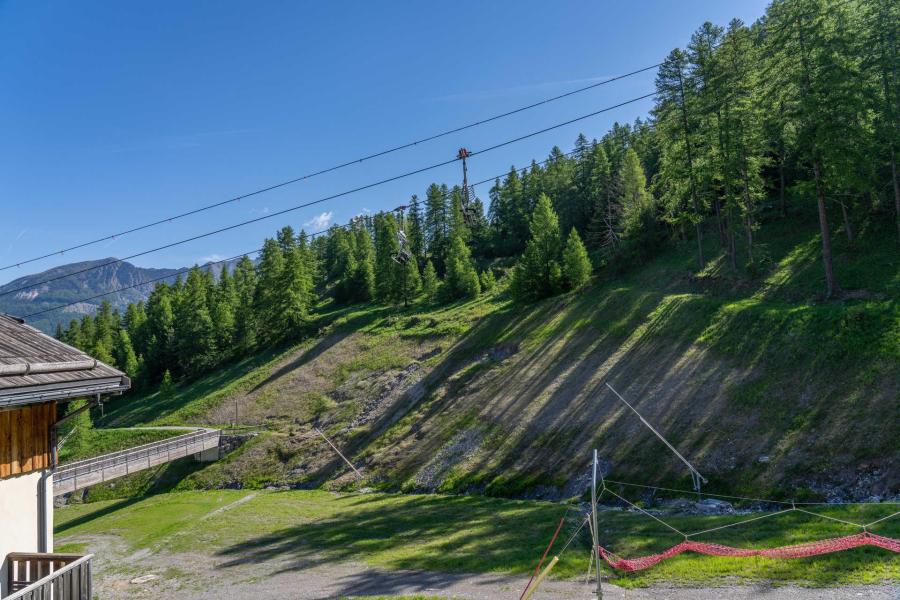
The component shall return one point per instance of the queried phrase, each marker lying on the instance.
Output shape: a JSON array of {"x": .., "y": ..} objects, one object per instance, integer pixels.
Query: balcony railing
[{"x": 49, "y": 576}]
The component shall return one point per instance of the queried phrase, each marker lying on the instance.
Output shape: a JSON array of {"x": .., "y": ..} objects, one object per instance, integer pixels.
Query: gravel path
[{"x": 202, "y": 577}]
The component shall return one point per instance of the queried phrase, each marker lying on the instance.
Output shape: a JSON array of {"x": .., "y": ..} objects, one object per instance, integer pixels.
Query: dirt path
[{"x": 147, "y": 575}]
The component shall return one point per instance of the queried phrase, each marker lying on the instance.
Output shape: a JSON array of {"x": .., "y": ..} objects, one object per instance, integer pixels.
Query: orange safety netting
[{"x": 796, "y": 551}]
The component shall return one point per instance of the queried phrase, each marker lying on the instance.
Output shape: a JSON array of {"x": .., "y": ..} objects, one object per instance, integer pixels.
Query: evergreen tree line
[{"x": 750, "y": 121}]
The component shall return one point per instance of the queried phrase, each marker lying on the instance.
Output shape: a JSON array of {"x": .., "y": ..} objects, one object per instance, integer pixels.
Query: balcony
[{"x": 49, "y": 576}]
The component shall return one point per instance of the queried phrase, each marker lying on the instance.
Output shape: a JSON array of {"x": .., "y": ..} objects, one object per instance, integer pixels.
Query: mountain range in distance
[{"x": 73, "y": 286}]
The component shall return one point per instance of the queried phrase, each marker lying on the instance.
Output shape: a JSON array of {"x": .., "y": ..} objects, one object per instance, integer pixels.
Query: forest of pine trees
[{"x": 751, "y": 123}]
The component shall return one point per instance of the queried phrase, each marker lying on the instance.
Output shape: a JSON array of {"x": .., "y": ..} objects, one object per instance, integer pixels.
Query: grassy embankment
[
  {"x": 462, "y": 533},
  {"x": 735, "y": 364}
]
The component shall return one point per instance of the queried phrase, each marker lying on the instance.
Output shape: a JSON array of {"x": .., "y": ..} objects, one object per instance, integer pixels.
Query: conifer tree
[
  {"x": 245, "y": 324},
  {"x": 576, "y": 265},
  {"x": 294, "y": 297},
  {"x": 415, "y": 229},
  {"x": 364, "y": 275},
  {"x": 126, "y": 359},
  {"x": 538, "y": 272},
  {"x": 461, "y": 278},
  {"x": 166, "y": 386},
  {"x": 388, "y": 274},
  {"x": 487, "y": 280},
  {"x": 269, "y": 281},
  {"x": 437, "y": 223},
  {"x": 675, "y": 119},
  {"x": 638, "y": 210},
  {"x": 410, "y": 281},
  {"x": 344, "y": 268},
  {"x": 224, "y": 301},
  {"x": 194, "y": 327},
  {"x": 160, "y": 331},
  {"x": 430, "y": 282}
]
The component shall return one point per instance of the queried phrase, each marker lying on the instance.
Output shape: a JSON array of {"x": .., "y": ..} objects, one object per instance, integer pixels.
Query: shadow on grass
[{"x": 422, "y": 533}]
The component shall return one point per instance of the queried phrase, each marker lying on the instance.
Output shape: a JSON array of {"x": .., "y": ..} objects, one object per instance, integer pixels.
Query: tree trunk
[
  {"x": 732, "y": 245},
  {"x": 831, "y": 287},
  {"x": 848, "y": 228},
  {"x": 719, "y": 224},
  {"x": 781, "y": 157},
  {"x": 690, "y": 160},
  {"x": 896, "y": 189},
  {"x": 781, "y": 192},
  {"x": 749, "y": 238}
]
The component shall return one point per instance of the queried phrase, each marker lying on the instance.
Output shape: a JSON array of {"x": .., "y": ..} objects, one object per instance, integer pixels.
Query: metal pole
[
  {"x": 355, "y": 470},
  {"x": 596, "y": 532}
]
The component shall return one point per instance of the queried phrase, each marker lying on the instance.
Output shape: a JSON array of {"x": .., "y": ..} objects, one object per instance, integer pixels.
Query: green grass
[
  {"x": 465, "y": 534},
  {"x": 808, "y": 381},
  {"x": 94, "y": 442}
]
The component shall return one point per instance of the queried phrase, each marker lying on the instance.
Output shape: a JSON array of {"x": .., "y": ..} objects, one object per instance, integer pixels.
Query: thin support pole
[
  {"x": 350, "y": 464},
  {"x": 541, "y": 578},
  {"x": 595, "y": 533}
]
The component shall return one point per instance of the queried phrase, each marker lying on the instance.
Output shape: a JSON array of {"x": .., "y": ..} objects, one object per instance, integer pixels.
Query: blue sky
[{"x": 116, "y": 113}]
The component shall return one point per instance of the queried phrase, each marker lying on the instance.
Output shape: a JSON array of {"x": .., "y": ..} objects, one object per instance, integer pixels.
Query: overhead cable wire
[
  {"x": 321, "y": 200},
  {"x": 748, "y": 498},
  {"x": 254, "y": 251},
  {"x": 333, "y": 168}
]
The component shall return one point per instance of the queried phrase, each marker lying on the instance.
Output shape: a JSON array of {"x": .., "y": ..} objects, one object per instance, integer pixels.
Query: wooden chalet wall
[{"x": 25, "y": 439}]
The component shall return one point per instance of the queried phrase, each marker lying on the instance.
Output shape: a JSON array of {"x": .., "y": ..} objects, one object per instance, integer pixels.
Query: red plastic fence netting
[{"x": 796, "y": 551}]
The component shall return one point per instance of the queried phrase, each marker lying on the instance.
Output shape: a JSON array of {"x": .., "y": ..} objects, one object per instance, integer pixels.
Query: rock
[
  {"x": 711, "y": 506},
  {"x": 144, "y": 579}
]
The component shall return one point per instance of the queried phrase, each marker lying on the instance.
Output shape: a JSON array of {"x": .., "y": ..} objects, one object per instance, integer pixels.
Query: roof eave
[{"x": 63, "y": 391}]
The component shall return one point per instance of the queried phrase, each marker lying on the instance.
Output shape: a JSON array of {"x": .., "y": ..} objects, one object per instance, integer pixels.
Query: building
[{"x": 38, "y": 375}]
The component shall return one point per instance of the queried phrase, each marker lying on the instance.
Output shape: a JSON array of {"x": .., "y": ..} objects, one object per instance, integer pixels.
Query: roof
[{"x": 35, "y": 367}]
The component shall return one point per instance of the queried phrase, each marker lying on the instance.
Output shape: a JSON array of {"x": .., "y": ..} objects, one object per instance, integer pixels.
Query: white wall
[{"x": 19, "y": 517}]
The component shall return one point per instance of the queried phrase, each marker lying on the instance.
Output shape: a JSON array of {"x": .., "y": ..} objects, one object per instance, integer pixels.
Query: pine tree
[
  {"x": 388, "y": 274},
  {"x": 538, "y": 272},
  {"x": 344, "y": 268},
  {"x": 415, "y": 230},
  {"x": 364, "y": 274},
  {"x": 604, "y": 230},
  {"x": 222, "y": 312},
  {"x": 295, "y": 295},
  {"x": 437, "y": 223},
  {"x": 576, "y": 266},
  {"x": 126, "y": 359},
  {"x": 638, "y": 211},
  {"x": 245, "y": 324},
  {"x": 461, "y": 278},
  {"x": 195, "y": 334},
  {"x": 269, "y": 280},
  {"x": 286, "y": 240},
  {"x": 410, "y": 281},
  {"x": 160, "y": 332},
  {"x": 678, "y": 125},
  {"x": 488, "y": 281},
  {"x": 166, "y": 386},
  {"x": 430, "y": 282}
]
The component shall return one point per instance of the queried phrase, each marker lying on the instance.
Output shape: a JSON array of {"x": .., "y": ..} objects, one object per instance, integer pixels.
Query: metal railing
[
  {"x": 41, "y": 576},
  {"x": 141, "y": 456}
]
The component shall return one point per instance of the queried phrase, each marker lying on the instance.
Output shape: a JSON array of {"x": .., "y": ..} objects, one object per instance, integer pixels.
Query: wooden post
[
  {"x": 595, "y": 533},
  {"x": 541, "y": 578}
]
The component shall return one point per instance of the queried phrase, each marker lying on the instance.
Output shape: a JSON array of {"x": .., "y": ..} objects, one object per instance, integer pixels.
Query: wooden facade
[{"x": 25, "y": 439}]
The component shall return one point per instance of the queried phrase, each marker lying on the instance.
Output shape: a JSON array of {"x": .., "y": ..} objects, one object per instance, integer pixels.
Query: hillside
[
  {"x": 68, "y": 289},
  {"x": 765, "y": 386},
  {"x": 94, "y": 281}
]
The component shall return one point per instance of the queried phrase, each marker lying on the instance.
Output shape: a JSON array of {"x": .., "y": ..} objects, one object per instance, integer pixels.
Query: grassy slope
[
  {"x": 508, "y": 398},
  {"x": 462, "y": 533}
]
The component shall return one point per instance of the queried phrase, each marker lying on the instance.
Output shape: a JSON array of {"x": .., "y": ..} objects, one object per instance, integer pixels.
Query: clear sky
[{"x": 115, "y": 113}]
